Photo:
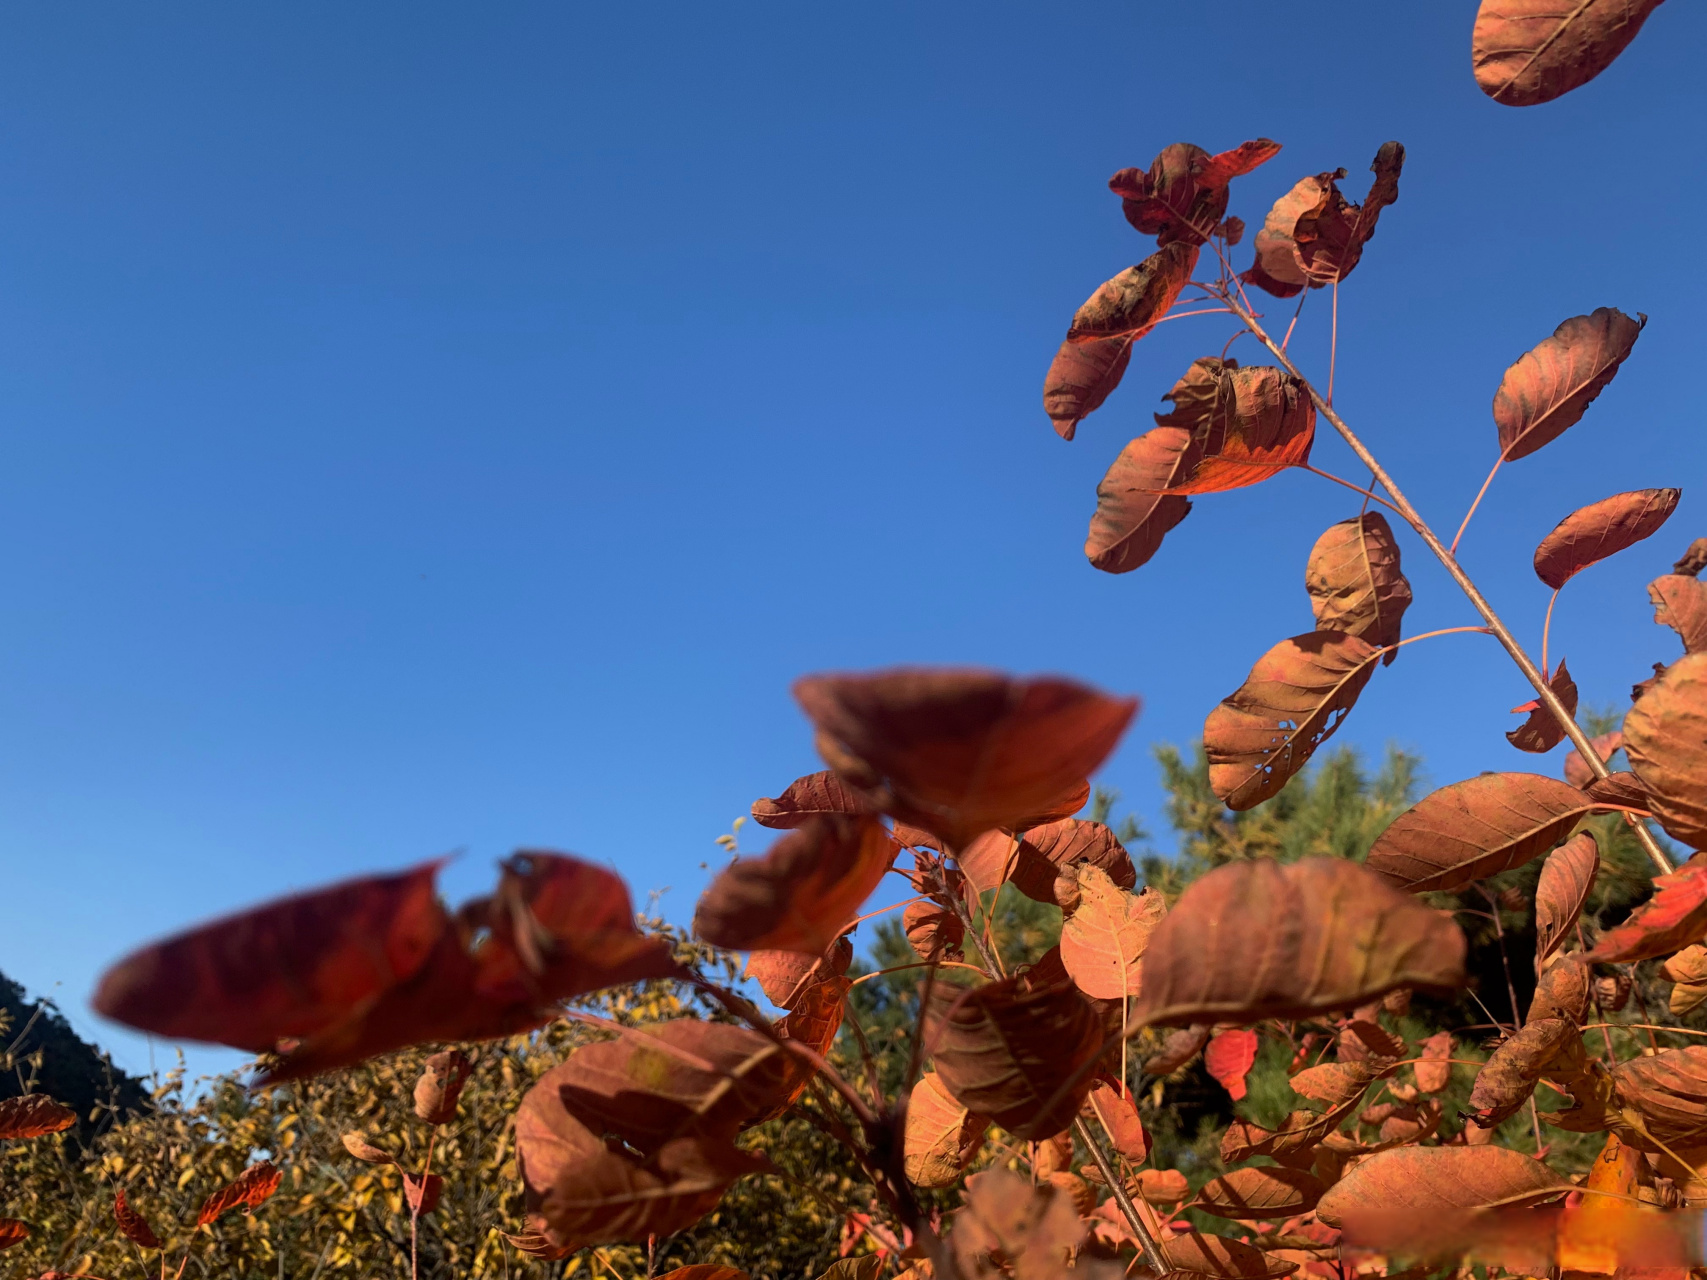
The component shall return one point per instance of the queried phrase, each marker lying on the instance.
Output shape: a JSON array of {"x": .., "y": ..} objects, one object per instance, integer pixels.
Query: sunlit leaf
[
  {"x": 1035, "y": 861},
  {"x": 784, "y": 975},
  {"x": 1590, "y": 534},
  {"x": 440, "y": 1085},
  {"x": 13, "y": 1232},
  {"x": 133, "y": 1225},
  {"x": 1434, "y": 1071},
  {"x": 1622, "y": 789},
  {"x": 1680, "y": 602},
  {"x": 1313, "y": 235},
  {"x": 1510, "y": 1075},
  {"x": 1548, "y": 389},
  {"x": 1134, "y": 511},
  {"x": 942, "y": 1136},
  {"x": 34, "y": 1115},
  {"x": 1229, "y": 1059},
  {"x": 1567, "y": 877},
  {"x": 1424, "y": 1180},
  {"x": 1355, "y": 584},
  {"x": 1253, "y": 1194},
  {"x": 1688, "y": 971},
  {"x": 248, "y": 1190},
  {"x": 815, "y": 795},
  {"x": 933, "y": 930},
  {"x": 1672, "y": 919},
  {"x": 1103, "y": 941},
  {"x": 1667, "y": 1092},
  {"x": 1129, "y": 305},
  {"x": 1183, "y": 196},
  {"x": 1178, "y": 1048},
  {"x": 1254, "y": 423},
  {"x": 356, "y": 1143},
  {"x": 1080, "y": 378},
  {"x": 1526, "y": 52},
  {"x": 1118, "y": 1115},
  {"x": 1543, "y": 730},
  {"x": 1665, "y": 737}
]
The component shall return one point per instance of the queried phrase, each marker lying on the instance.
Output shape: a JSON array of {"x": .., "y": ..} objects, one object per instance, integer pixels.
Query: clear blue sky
[{"x": 434, "y": 427}]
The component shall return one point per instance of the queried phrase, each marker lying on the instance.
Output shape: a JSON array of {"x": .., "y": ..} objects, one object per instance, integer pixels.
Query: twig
[
  {"x": 1368, "y": 495},
  {"x": 1480, "y": 493},
  {"x": 922, "y": 964},
  {"x": 1147, "y": 1242}
]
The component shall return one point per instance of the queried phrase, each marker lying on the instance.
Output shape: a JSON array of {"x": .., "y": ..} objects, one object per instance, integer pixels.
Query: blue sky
[{"x": 439, "y": 427}]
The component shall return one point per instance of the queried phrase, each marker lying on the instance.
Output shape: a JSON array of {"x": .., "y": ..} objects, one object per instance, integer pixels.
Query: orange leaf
[
  {"x": 1665, "y": 737},
  {"x": 1670, "y": 920},
  {"x": 1355, "y": 584},
  {"x": 1590, "y": 534},
  {"x": 1434, "y": 1072},
  {"x": 1258, "y": 422},
  {"x": 1229, "y": 1059},
  {"x": 1103, "y": 941},
  {"x": 12, "y": 1232},
  {"x": 1129, "y": 305},
  {"x": 440, "y": 1085},
  {"x": 1184, "y": 194},
  {"x": 1424, "y": 1180},
  {"x": 134, "y": 1226},
  {"x": 1527, "y": 52},
  {"x": 1548, "y": 389},
  {"x": 1080, "y": 378},
  {"x": 1542, "y": 731},
  {"x": 33, "y": 1115},
  {"x": 784, "y": 975},
  {"x": 942, "y": 1137},
  {"x": 1313, "y": 235},
  {"x": 1118, "y": 1115},
  {"x": 1034, "y": 862},
  {"x": 1680, "y": 602},
  {"x": 1566, "y": 879},
  {"x": 250, "y": 1189},
  {"x": 814, "y": 796},
  {"x": 1134, "y": 510},
  {"x": 1256, "y": 1193}
]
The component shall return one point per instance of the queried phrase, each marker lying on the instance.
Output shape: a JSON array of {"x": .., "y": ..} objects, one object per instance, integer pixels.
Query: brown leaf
[
  {"x": 1134, "y": 510},
  {"x": 1117, "y": 1113},
  {"x": 1665, "y": 737},
  {"x": 1178, "y": 1048},
  {"x": 356, "y": 1143},
  {"x": 1527, "y": 52},
  {"x": 1354, "y": 581},
  {"x": 12, "y": 1232},
  {"x": 1336, "y": 1082},
  {"x": 250, "y": 1189},
  {"x": 1328, "y": 237},
  {"x": 34, "y": 1115},
  {"x": 537, "y": 1245},
  {"x": 1229, "y": 1059},
  {"x": 1566, "y": 879},
  {"x": 1129, "y": 305},
  {"x": 1434, "y": 1072},
  {"x": 784, "y": 975},
  {"x": 1256, "y": 939},
  {"x": 1361, "y": 1040},
  {"x": 1474, "y": 829},
  {"x": 1299, "y": 1132},
  {"x": 1007, "y": 1051},
  {"x": 1424, "y": 1180},
  {"x": 1623, "y": 790},
  {"x": 1159, "y": 1186},
  {"x": 1103, "y": 941},
  {"x": 1667, "y": 1092},
  {"x": 802, "y": 892},
  {"x": 1032, "y": 1229},
  {"x": 1295, "y": 697},
  {"x": 1250, "y": 1195},
  {"x": 1693, "y": 560},
  {"x": 1548, "y": 389},
  {"x": 1034, "y": 862},
  {"x": 958, "y": 751},
  {"x": 1196, "y": 1254},
  {"x": 1590, "y": 534},
  {"x": 1688, "y": 970},
  {"x": 813, "y": 1022},
  {"x": 868, "y": 1266},
  {"x": 440, "y": 1085},
  {"x": 421, "y": 1192},
  {"x": 1542, "y": 731},
  {"x": 933, "y": 930},
  {"x": 1184, "y": 195},
  {"x": 1577, "y": 772},
  {"x": 1680, "y": 602},
  {"x": 1672, "y": 919},
  {"x": 1512, "y": 1072},
  {"x": 814, "y": 796},
  {"x": 942, "y": 1136},
  {"x": 133, "y": 1225},
  {"x": 1249, "y": 424},
  {"x": 1080, "y": 378},
  {"x": 1276, "y": 268}
]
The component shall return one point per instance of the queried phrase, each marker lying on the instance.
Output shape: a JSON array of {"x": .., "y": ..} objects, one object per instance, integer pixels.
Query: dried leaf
[
  {"x": 133, "y": 1225},
  {"x": 1184, "y": 195},
  {"x": 1548, "y": 389},
  {"x": 933, "y": 930},
  {"x": 1566, "y": 879},
  {"x": 1672, "y": 919},
  {"x": 1355, "y": 584},
  {"x": 814, "y": 796},
  {"x": 536, "y": 1245},
  {"x": 421, "y": 1192},
  {"x": 1276, "y": 268},
  {"x": 1688, "y": 970},
  {"x": 1425, "y": 1180},
  {"x": 249, "y": 1189},
  {"x": 1229, "y": 1059},
  {"x": 1621, "y": 790},
  {"x": 1118, "y": 1115},
  {"x": 1665, "y": 737},
  {"x": 1250, "y": 1195},
  {"x": 1080, "y": 378},
  {"x": 1293, "y": 700},
  {"x": 784, "y": 975},
  {"x": 1159, "y": 1186},
  {"x": 1512, "y": 1072},
  {"x": 1434, "y": 1071},
  {"x": 813, "y": 1022},
  {"x": 1249, "y": 423},
  {"x": 1103, "y": 941},
  {"x": 1680, "y": 602},
  {"x": 942, "y": 1136},
  {"x": 1178, "y": 1048},
  {"x": 1007, "y": 1050},
  {"x": 1129, "y": 305},
  {"x": 1666, "y": 1094},
  {"x": 356, "y": 1143},
  {"x": 1134, "y": 511},
  {"x": 440, "y": 1085},
  {"x": 959, "y": 752},
  {"x": 1032, "y": 863},
  {"x": 1299, "y": 1132},
  {"x": 1590, "y": 534},
  {"x": 1032, "y": 1229},
  {"x": 1335, "y": 1082},
  {"x": 1196, "y": 1254},
  {"x": 1527, "y": 52},
  {"x": 1543, "y": 731},
  {"x": 802, "y": 892},
  {"x": 1256, "y": 939},
  {"x": 1328, "y": 237},
  {"x": 1692, "y": 561},
  {"x": 34, "y": 1115},
  {"x": 13, "y": 1232},
  {"x": 868, "y": 1266},
  {"x": 1577, "y": 772},
  {"x": 1474, "y": 829}
]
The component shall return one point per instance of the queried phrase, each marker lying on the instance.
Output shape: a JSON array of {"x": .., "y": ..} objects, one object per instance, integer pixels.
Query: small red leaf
[
  {"x": 1548, "y": 389},
  {"x": 34, "y": 1115},
  {"x": 1590, "y": 534},
  {"x": 1542, "y": 731},
  {"x": 1119, "y": 1117},
  {"x": 1669, "y": 921},
  {"x": 1230, "y": 1057},
  {"x": 251, "y": 1188},
  {"x": 1080, "y": 378},
  {"x": 134, "y": 1226}
]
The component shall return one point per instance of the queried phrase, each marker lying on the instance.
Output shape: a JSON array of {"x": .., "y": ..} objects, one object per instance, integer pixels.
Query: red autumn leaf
[
  {"x": 813, "y": 1022},
  {"x": 1255, "y": 939},
  {"x": 1229, "y": 1059},
  {"x": 1680, "y": 602},
  {"x": 1474, "y": 829},
  {"x": 1256, "y": 1193},
  {"x": 959, "y": 751},
  {"x": 134, "y": 1226},
  {"x": 933, "y": 930},
  {"x": 784, "y": 975},
  {"x": 1566, "y": 879},
  {"x": 1434, "y": 1071},
  {"x": 1103, "y": 941},
  {"x": 1134, "y": 510},
  {"x": 12, "y": 1232},
  {"x": 1080, "y": 378},
  {"x": 248, "y": 1190},
  {"x": 1590, "y": 534},
  {"x": 1527, "y": 52},
  {"x": 440, "y": 1085},
  {"x": 1548, "y": 389},
  {"x": 1665, "y": 737},
  {"x": 1355, "y": 584},
  {"x": 1577, "y": 772},
  {"x": 1184, "y": 194},
  {"x": 1252, "y": 423},
  {"x": 1294, "y": 698},
  {"x": 1035, "y": 861},
  {"x": 1009, "y": 1050},
  {"x": 1129, "y": 305},
  {"x": 1328, "y": 238},
  {"x": 1118, "y": 1115},
  {"x": 1669, "y": 921},
  {"x": 34, "y": 1115},
  {"x": 816, "y": 795},
  {"x": 802, "y": 892},
  {"x": 942, "y": 1137},
  {"x": 421, "y": 1192},
  {"x": 1542, "y": 731}
]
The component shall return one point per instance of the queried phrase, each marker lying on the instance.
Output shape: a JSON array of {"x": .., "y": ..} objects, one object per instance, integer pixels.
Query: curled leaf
[
  {"x": 1622, "y": 789},
  {"x": 1549, "y": 388},
  {"x": 801, "y": 894},
  {"x": 1249, "y": 423},
  {"x": 1299, "y": 1132},
  {"x": 1693, "y": 560},
  {"x": 34, "y": 1115},
  {"x": 1313, "y": 235},
  {"x": 962, "y": 751},
  {"x": 1543, "y": 731},
  {"x": 1336, "y": 1082},
  {"x": 1512, "y": 1072},
  {"x": 942, "y": 1136},
  {"x": 1474, "y": 829},
  {"x": 1590, "y": 534},
  {"x": 814, "y": 796},
  {"x": 1259, "y": 1192},
  {"x": 1129, "y": 305},
  {"x": 1424, "y": 1180},
  {"x": 356, "y": 1143},
  {"x": 440, "y": 1085},
  {"x": 133, "y": 1225},
  {"x": 1103, "y": 941},
  {"x": 1034, "y": 862},
  {"x": 1256, "y": 939},
  {"x": 1355, "y": 584},
  {"x": 1526, "y": 52},
  {"x": 248, "y": 1190},
  {"x": 1680, "y": 602},
  {"x": 1184, "y": 195},
  {"x": 932, "y": 929},
  {"x": 1080, "y": 378},
  {"x": 1688, "y": 971},
  {"x": 1134, "y": 510},
  {"x": 1670, "y": 920},
  {"x": 1294, "y": 698},
  {"x": 1566, "y": 879},
  {"x": 1665, "y": 737},
  {"x": 1229, "y": 1059}
]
